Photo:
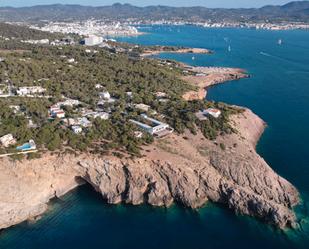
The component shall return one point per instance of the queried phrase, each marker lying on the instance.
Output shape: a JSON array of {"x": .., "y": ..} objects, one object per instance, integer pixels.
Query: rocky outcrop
[
  {"x": 204, "y": 77},
  {"x": 189, "y": 171}
]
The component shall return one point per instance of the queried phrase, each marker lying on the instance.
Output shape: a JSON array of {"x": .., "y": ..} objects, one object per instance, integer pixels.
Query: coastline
[
  {"x": 205, "y": 77},
  {"x": 161, "y": 50},
  {"x": 27, "y": 189}
]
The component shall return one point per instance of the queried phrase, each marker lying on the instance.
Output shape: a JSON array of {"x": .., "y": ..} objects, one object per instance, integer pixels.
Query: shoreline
[
  {"x": 206, "y": 77},
  {"x": 40, "y": 180},
  {"x": 161, "y": 49},
  {"x": 123, "y": 181},
  {"x": 187, "y": 169}
]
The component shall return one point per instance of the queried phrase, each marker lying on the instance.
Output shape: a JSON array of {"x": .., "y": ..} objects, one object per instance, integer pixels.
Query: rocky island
[{"x": 83, "y": 117}]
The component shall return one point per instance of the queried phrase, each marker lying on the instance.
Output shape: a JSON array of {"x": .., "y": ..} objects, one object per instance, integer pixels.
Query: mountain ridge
[{"x": 290, "y": 12}]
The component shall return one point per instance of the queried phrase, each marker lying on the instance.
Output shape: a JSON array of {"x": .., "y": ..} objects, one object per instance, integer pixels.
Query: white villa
[
  {"x": 153, "y": 126},
  {"x": 202, "y": 115},
  {"x": 213, "y": 112},
  {"x": 23, "y": 91},
  {"x": 68, "y": 102},
  {"x": 93, "y": 40}
]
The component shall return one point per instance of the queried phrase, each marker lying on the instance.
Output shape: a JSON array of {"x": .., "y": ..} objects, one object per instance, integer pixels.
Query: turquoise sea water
[{"x": 278, "y": 91}]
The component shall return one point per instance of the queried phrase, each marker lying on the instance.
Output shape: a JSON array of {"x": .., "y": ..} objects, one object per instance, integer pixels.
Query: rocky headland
[
  {"x": 163, "y": 49},
  {"x": 189, "y": 170},
  {"x": 204, "y": 77}
]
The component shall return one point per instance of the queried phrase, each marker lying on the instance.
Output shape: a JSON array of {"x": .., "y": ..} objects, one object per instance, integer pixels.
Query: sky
[{"x": 207, "y": 3}]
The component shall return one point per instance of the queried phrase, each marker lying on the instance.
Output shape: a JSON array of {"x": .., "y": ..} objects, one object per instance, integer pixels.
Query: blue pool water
[
  {"x": 278, "y": 91},
  {"x": 26, "y": 146}
]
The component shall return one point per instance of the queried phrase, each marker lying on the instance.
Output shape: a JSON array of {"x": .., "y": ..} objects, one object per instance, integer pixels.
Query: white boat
[
  {"x": 279, "y": 42},
  {"x": 229, "y": 48}
]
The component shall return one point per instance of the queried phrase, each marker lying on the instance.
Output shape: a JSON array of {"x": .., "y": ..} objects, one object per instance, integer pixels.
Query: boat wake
[{"x": 266, "y": 54}]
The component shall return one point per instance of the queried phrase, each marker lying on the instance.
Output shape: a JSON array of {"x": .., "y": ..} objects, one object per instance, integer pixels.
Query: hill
[{"x": 294, "y": 11}]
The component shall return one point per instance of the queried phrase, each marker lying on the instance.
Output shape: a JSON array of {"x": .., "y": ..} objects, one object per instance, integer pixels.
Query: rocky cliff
[{"x": 188, "y": 169}]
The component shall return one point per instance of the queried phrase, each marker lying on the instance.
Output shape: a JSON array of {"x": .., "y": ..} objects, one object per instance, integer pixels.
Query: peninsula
[
  {"x": 137, "y": 129},
  {"x": 154, "y": 50}
]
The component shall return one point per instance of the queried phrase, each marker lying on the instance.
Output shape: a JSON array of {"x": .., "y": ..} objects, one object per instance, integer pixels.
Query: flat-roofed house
[
  {"x": 213, "y": 112},
  {"x": 56, "y": 112},
  {"x": 22, "y": 91},
  {"x": 76, "y": 129},
  {"x": 142, "y": 107},
  {"x": 153, "y": 126},
  {"x": 105, "y": 95}
]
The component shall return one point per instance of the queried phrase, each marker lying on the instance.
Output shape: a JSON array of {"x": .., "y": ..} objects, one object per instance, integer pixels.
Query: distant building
[
  {"x": 76, "y": 129},
  {"x": 7, "y": 140},
  {"x": 129, "y": 94},
  {"x": 40, "y": 42},
  {"x": 101, "y": 115},
  {"x": 153, "y": 126},
  {"x": 15, "y": 108},
  {"x": 143, "y": 107},
  {"x": 84, "y": 122},
  {"x": 30, "y": 90},
  {"x": 202, "y": 115},
  {"x": 56, "y": 112},
  {"x": 161, "y": 95},
  {"x": 93, "y": 40},
  {"x": 213, "y": 112},
  {"x": 98, "y": 86},
  {"x": 71, "y": 60},
  {"x": 105, "y": 95}
]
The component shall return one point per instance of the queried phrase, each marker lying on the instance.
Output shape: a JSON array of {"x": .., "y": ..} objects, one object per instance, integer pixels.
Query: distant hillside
[
  {"x": 24, "y": 33},
  {"x": 294, "y": 11}
]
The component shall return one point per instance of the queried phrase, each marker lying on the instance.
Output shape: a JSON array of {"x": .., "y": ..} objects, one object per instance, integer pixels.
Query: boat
[
  {"x": 193, "y": 58},
  {"x": 229, "y": 48},
  {"x": 279, "y": 42}
]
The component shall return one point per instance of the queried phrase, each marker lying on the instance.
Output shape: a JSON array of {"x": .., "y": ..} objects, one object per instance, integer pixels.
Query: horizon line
[{"x": 159, "y": 5}]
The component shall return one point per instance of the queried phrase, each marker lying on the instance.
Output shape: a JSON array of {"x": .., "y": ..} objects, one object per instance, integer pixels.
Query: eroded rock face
[{"x": 188, "y": 171}]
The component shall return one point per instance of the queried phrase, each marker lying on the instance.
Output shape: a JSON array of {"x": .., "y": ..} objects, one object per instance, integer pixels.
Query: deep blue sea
[{"x": 278, "y": 91}]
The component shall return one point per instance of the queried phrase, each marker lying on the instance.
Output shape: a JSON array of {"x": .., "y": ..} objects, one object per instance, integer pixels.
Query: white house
[
  {"x": 129, "y": 94},
  {"x": 105, "y": 95},
  {"x": 7, "y": 140},
  {"x": 84, "y": 122},
  {"x": 213, "y": 112},
  {"x": 161, "y": 95},
  {"x": 70, "y": 102},
  {"x": 153, "y": 126},
  {"x": 142, "y": 107},
  {"x": 56, "y": 112},
  {"x": 71, "y": 60},
  {"x": 22, "y": 91},
  {"x": 101, "y": 115},
  {"x": 98, "y": 86},
  {"x": 93, "y": 40},
  {"x": 76, "y": 129}
]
